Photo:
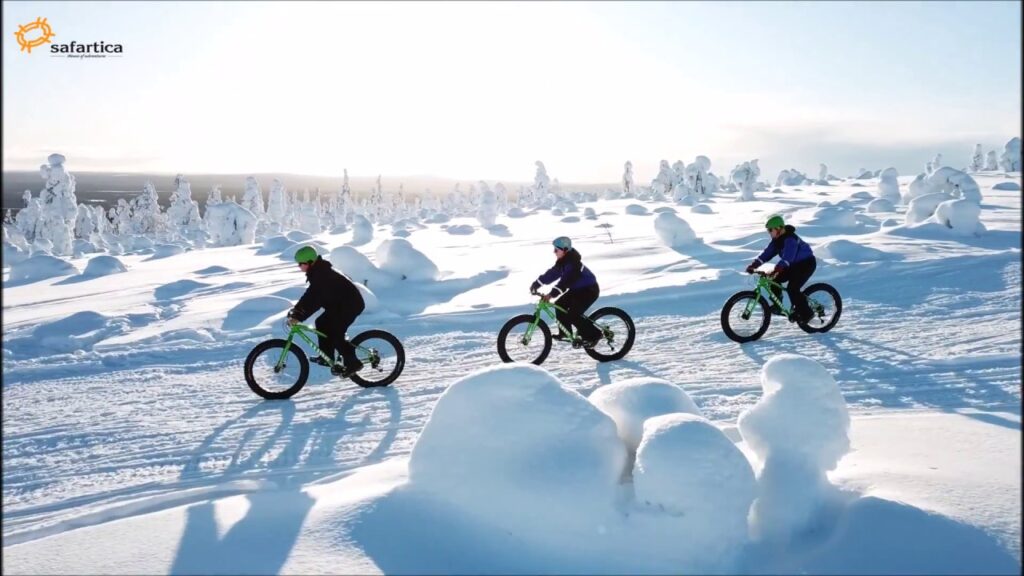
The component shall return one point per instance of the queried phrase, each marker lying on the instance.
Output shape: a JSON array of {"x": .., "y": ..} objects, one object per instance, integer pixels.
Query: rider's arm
[
  {"x": 571, "y": 272},
  {"x": 548, "y": 277},
  {"x": 769, "y": 252},
  {"x": 305, "y": 307}
]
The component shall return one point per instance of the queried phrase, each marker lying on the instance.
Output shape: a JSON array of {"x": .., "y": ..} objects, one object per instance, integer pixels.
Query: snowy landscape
[{"x": 890, "y": 444}]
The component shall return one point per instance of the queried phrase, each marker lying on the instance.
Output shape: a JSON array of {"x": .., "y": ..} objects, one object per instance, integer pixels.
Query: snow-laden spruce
[
  {"x": 799, "y": 429},
  {"x": 1009, "y": 161}
]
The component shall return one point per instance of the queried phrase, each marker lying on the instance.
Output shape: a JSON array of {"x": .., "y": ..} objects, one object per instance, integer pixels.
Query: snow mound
[
  {"x": 922, "y": 207},
  {"x": 1007, "y": 186},
  {"x": 688, "y": 467},
  {"x": 103, "y": 266},
  {"x": 211, "y": 270},
  {"x": 702, "y": 209},
  {"x": 512, "y": 438},
  {"x": 275, "y": 245},
  {"x": 799, "y": 429},
  {"x": 357, "y": 267},
  {"x": 589, "y": 213},
  {"x": 838, "y": 216},
  {"x": 961, "y": 215},
  {"x": 460, "y": 230},
  {"x": 39, "y": 267},
  {"x": 177, "y": 289},
  {"x": 862, "y": 195},
  {"x": 253, "y": 311},
  {"x": 399, "y": 258},
  {"x": 570, "y": 219},
  {"x": 79, "y": 331},
  {"x": 663, "y": 209},
  {"x": 888, "y": 185},
  {"x": 632, "y": 402},
  {"x": 298, "y": 236},
  {"x": 880, "y": 205},
  {"x": 846, "y": 251},
  {"x": 166, "y": 250},
  {"x": 516, "y": 212},
  {"x": 674, "y": 231},
  {"x": 636, "y": 210}
]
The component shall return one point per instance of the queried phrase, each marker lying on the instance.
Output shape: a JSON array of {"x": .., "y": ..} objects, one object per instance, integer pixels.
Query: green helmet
[
  {"x": 305, "y": 254},
  {"x": 774, "y": 222}
]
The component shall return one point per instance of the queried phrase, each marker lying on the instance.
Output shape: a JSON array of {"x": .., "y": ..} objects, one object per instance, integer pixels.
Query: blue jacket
[
  {"x": 788, "y": 247},
  {"x": 570, "y": 273}
]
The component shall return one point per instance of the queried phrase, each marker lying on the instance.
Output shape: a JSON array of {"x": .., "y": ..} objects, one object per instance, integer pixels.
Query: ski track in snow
[{"x": 144, "y": 430}]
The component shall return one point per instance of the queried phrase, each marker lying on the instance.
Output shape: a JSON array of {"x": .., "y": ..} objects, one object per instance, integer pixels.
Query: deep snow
[{"x": 889, "y": 445}]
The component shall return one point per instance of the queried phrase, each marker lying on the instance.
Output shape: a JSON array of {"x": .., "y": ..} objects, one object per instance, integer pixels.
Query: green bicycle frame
[
  {"x": 301, "y": 330},
  {"x": 551, "y": 309},
  {"x": 764, "y": 284}
]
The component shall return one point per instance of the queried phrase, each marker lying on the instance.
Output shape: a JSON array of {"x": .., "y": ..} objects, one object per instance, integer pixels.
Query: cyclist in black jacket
[{"x": 342, "y": 304}]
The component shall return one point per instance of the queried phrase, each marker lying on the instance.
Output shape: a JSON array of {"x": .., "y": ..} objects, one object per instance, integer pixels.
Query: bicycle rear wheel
[
  {"x": 745, "y": 329},
  {"x": 826, "y": 304},
  {"x": 617, "y": 334},
  {"x": 273, "y": 377},
  {"x": 383, "y": 358},
  {"x": 514, "y": 345}
]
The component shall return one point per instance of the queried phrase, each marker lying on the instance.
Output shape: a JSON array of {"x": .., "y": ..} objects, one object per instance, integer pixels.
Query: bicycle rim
[
  {"x": 382, "y": 356},
  {"x": 518, "y": 343},
  {"x": 276, "y": 378}
]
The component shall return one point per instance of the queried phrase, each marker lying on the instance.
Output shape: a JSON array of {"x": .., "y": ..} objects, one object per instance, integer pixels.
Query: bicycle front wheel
[
  {"x": 273, "y": 373},
  {"x": 383, "y": 358},
  {"x": 516, "y": 343},
  {"x": 617, "y": 334},
  {"x": 740, "y": 326}
]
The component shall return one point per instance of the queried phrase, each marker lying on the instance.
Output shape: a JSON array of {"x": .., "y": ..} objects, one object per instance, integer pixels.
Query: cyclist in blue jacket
[
  {"x": 580, "y": 283},
  {"x": 796, "y": 265}
]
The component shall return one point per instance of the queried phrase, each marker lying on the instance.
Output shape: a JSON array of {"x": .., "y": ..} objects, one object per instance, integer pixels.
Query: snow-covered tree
[
  {"x": 59, "y": 206},
  {"x": 84, "y": 224},
  {"x": 662, "y": 183},
  {"x": 277, "y": 205},
  {"x": 541, "y": 183},
  {"x": 252, "y": 197},
  {"x": 145, "y": 211},
  {"x": 27, "y": 219},
  {"x": 745, "y": 177},
  {"x": 345, "y": 201},
  {"x": 183, "y": 215},
  {"x": 889, "y": 186},
  {"x": 937, "y": 162},
  {"x": 487, "y": 213},
  {"x": 215, "y": 196},
  {"x": 977, "y": 160},
  {"x": 823, "y": 173},
  {"x": 627, "y": 180},
  {"x": 230, "y": 224},
  {"x": 1009, "y": 161},
  {"x": 991, "y": 160}
]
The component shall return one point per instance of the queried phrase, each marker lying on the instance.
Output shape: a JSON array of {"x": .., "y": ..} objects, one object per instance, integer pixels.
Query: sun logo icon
[{"x": 45, "y": 32}]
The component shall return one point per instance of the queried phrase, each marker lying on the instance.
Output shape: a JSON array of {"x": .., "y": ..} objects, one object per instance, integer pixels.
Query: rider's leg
[
  {"x": 343, "y": 321},
  {"x": 799, "y": 274},
  {"x": 564, "y": 318},
  {"x": 325, "y": 323},
  {"x": 583, "y": 298}
]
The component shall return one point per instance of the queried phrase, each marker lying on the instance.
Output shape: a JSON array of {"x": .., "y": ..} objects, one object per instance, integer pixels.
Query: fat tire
[
  {"x": 399, "y": 358},
  {"x": 524, "y": 318},
  {"x": 261, "y": 348},
  {"x": 630, "y": 334},
  {"x": 822, "y": 287},
  {"x": 733, "y": 301}
]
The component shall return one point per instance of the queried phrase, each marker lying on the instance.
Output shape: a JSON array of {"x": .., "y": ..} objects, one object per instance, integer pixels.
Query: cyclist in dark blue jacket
[
  {"x": 580, "y": 283},
  {"x": 796, "y": 265}
]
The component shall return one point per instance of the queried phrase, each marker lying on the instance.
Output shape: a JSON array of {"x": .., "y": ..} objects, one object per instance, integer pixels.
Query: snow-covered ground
[{"x": 891, "y": 444}]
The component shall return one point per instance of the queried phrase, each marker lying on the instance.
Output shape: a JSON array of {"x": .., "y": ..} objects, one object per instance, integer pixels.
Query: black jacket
[
  {"x": 570, "y": 273},
  {"x": 328, "y": 289}
]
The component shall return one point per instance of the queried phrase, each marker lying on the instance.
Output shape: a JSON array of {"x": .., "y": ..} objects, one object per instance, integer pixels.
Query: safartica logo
[{"x": 39, "y": 32}]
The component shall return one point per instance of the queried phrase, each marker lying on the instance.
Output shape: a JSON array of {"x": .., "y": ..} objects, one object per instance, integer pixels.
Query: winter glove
[
  {"x": 534, "y": 287},
  {"x": 777, "y": 271},
  {"x": 753, "y": 266}
]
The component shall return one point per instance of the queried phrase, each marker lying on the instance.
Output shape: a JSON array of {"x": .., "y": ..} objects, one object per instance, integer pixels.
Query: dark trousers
[
  {"x": 797, "y": 275},
  {"x": 576, "y": 303},
  {"x": 334, "y": 323}
]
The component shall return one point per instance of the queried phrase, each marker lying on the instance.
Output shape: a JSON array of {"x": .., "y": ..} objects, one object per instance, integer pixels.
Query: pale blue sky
[{"x": 481, "y": 90}]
